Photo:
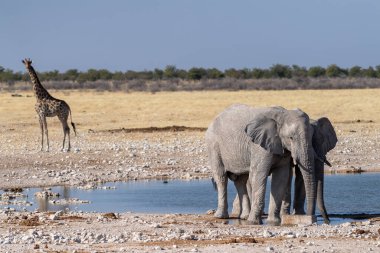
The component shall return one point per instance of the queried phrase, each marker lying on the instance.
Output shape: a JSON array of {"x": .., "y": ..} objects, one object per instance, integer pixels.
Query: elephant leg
[
  {"x": 222, "y": 210},
  {"x": 221, "y": 179},
  {"x": 286, "y": 202},
  {"x": 242, "y": 207},
  {"x": 258, "y": 183},
  {"x": 299, "y": 192},
  {"x": 236, "y": 207},
  {"x": 279, "y": 185}
]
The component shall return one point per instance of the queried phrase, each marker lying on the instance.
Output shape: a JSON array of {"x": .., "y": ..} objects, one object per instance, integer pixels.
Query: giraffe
[{"x": 48, "y": 106}]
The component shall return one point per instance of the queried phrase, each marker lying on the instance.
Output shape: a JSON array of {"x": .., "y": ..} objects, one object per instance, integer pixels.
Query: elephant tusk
[
  {"x": 323, "y": 160},
  {"x": 319, "y": 159},
  {"x": 327, "y": 163}
]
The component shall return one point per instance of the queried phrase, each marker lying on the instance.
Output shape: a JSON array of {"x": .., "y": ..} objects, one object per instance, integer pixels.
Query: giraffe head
[{"x": 27, "y": 62}]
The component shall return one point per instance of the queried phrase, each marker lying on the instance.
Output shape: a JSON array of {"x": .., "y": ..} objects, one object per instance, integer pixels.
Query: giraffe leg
[
  {"x": 46, "y": 133},
  {"x": 66, "y": 131},
  {"x": 42, "y": 132}
]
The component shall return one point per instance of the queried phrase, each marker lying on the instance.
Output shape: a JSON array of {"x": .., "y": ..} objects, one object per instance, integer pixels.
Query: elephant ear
[
  {"x": 264, "y": 132},
  {"x": 324, "y": 138}
]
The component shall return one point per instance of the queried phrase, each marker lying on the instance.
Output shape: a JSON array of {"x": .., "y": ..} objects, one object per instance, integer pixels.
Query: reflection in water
[{"x": 43, "y": 204}]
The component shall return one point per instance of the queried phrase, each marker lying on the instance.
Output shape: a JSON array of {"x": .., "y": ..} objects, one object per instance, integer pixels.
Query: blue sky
[{"x": 141, "y": 34}]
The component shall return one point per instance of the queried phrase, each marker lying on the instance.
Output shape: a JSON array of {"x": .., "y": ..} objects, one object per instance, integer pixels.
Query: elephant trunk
[
  {"x": 319, "y": 167},
  {"x": 306, "y": 163}
]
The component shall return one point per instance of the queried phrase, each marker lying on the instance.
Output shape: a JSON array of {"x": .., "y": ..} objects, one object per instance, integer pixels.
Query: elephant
[
  {"x": 260, "y": 141},
  {"x": 324, "y": 139}
]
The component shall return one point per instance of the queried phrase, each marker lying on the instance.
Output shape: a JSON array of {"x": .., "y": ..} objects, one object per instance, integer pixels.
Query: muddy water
[{"x": 349, "y": 193}]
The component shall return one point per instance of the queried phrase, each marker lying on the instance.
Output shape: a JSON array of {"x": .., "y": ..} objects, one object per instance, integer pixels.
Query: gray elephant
[
  {"x": 259, "y": 141},
  {"x": 324, "y": 139}
]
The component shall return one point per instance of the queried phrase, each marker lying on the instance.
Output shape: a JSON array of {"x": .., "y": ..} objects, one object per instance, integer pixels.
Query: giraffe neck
[{"x": 39, "y": 91}]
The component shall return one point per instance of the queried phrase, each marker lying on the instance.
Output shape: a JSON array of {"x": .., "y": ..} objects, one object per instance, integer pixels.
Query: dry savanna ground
[
  {"x": 111, "y": 110},
  {"x": 101, "y": 153}
]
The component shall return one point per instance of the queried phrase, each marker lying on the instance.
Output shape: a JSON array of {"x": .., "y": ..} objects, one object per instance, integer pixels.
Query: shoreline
[{"x": 166, "y": 178}]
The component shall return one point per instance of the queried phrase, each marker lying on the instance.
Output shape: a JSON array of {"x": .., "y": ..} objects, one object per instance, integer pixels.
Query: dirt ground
[
  {"x": 121, "y": 155},
  {"x": 102, "y": 154}
]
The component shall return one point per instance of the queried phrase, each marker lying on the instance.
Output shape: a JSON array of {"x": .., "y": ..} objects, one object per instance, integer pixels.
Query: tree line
[{"x": 171, "y": 72}]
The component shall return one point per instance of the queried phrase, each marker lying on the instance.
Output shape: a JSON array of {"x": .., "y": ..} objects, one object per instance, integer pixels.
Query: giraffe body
[{"x": 48, "y": 106}]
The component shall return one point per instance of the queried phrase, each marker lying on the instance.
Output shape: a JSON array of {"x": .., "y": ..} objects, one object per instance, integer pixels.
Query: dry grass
[{"x": 112, "y": 110}]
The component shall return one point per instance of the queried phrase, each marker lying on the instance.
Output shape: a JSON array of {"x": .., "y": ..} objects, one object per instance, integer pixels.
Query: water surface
[{"x": 347, "y": 193}]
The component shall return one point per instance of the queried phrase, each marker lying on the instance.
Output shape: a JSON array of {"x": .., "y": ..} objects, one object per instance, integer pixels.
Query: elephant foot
[
  {"x": 274, "y": 221},
  {"x": 235, "y": 215},
  {"x": 285, "y": 211},
  {"x": 244, "y": 215},
  {"x": 221, "y": 214},
  {"x": 299, "y": 211},
  {"x": 254, "y": 220}
]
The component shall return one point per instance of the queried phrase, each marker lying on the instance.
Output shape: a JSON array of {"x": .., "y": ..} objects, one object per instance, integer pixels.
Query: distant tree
[
  {"x": 258, "y": 73},
  {"x": 370, "y": 72},
  {"x": 92, "y": 75},
  {"x": 245, "y": 73},
  {"x": 82, "y": 77},
  {"x": 131, "y": 75},
  {"x": 334, "y": 71},
  {"x": 378, "y": 71},
  {"x": 316, "y": 71},
  {"x": 49, "y": 75},
  {"x": 7, "y": 76},
  {"x": 145, "y": 75},
  {"x": 170, "y": 72},
  {"x": 71, "y": 74},
  {"x": 281, "y": 71},
  {"x": 214, "y": 73},
  {"x": 196, "y": 73},
  {"x": 298, "y": 71},
  {"x": 181, "y": 73},
  {"x": 355, "y": 71},
  {"x": 118, "y": 76},
  {"x": 104, "y": 74},
  {"x": 1, "y": 69},
  {"x": 158, "y": 74},
  {"x": 233, "y": 73}
]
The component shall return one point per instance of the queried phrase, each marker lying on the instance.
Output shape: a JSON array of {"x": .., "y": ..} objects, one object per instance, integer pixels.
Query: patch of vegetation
[{"x": 277, "y": 77}]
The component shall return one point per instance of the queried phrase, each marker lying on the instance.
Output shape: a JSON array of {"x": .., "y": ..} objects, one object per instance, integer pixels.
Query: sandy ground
[{"x": 103, "y": 156}]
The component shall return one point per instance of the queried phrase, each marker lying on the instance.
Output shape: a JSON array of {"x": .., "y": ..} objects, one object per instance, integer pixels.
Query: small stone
[
  {"x": 56, "y": 215},
  {"x": 267, "y": 234},
  {"x": 156, "y": 225},
  {"x": 346, "y": 224},
  {"x": 270, "y": 248}
]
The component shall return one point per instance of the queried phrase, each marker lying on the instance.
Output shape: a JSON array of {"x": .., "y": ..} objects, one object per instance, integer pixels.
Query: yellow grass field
[{"x": 112, "y": 110}]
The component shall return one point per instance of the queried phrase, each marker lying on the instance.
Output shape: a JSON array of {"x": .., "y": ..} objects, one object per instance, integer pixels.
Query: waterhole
[{"x": 348, "y": 194}]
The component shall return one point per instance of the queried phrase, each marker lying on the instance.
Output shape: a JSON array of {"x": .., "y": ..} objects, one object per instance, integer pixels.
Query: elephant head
[{"x": 282, "y": 131}]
